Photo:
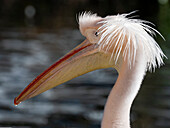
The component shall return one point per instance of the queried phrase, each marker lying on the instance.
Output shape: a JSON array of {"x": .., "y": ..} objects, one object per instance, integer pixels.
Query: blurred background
[{"x": 36, "y": 33}]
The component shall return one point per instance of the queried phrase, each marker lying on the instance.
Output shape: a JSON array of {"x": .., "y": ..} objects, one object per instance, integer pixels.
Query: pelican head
[{"x": 119, "y": 42}]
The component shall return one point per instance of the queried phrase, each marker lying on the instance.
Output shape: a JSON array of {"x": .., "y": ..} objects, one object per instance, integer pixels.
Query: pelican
[{"x": 119, "y": 41}]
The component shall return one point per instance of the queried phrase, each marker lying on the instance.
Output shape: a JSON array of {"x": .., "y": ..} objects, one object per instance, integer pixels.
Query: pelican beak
[{"x": 84, "y": 58}]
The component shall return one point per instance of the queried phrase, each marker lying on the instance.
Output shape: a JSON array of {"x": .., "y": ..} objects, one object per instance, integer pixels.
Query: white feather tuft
[
  {"x": 87, "y": 20},
  {"x": 118, "y": 31},
  {"x": 85, "y": 17}
]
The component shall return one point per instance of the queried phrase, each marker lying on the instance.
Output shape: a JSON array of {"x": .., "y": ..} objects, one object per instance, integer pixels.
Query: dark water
[{"x": 79, "y": 103}]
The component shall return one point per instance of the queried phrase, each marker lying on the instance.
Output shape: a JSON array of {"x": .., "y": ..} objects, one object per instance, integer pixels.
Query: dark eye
[{"x": 96, "y": 34}]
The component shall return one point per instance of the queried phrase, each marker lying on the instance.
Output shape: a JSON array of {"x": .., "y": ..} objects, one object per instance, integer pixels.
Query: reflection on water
[{"x": 78, "y": 103}]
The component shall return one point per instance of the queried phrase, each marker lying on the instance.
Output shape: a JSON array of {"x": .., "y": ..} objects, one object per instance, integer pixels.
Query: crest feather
[
  {"x": 87, "y": 20},
  {"x": 118, "y": 31}
]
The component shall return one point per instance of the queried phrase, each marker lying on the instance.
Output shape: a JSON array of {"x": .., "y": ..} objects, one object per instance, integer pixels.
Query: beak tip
[{"x": 16, "y": 102}]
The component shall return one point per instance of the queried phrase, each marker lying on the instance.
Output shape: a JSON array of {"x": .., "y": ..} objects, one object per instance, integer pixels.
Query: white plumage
[{"x": 119, "y": 30}]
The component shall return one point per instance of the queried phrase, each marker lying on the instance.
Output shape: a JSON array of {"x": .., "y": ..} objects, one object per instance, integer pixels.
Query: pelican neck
[{"x": 122, "y": 95}]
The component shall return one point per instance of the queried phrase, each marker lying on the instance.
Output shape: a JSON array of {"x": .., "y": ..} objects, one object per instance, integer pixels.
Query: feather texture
[{"x": 123, "y": 35}]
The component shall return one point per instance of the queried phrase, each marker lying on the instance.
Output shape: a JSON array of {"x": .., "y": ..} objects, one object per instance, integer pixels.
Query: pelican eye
[{"x": 96, "y": 34}]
